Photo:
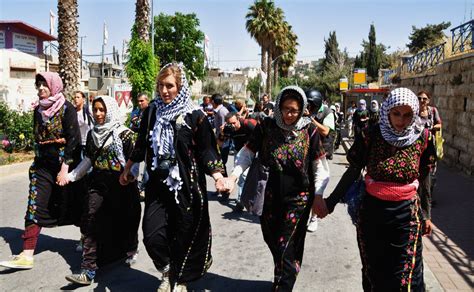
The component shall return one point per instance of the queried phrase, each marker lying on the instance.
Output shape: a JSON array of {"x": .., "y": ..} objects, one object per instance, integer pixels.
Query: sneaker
[
  {"x": 132, "y": 258},
  {"x": 180, "y": 288},
  {"x": 165, "y": 285},
  {"x": 313, "y": 224},
  {"x": 20, "y": 261},
  {"x": 85, "y": 277}
]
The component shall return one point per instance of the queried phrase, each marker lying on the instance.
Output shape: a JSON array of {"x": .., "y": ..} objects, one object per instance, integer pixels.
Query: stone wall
[{"x": 452, "y": 87}]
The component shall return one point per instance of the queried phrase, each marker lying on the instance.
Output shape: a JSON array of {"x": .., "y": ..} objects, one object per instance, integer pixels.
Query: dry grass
[{"x": 15, "y": 157}]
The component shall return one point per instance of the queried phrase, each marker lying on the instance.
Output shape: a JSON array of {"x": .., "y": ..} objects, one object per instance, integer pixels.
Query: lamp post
[
  {"x": 81, "y": 37},
  {"x": 272, "y": 66}
]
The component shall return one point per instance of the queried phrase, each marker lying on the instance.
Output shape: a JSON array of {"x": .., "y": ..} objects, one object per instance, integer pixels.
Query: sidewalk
[
  {"x": 10, "y": 169},
  {"x": 449, "y": 251}
]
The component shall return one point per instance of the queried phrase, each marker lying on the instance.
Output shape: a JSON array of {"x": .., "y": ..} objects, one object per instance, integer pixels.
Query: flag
[
  {"x": 106, "y": 34},
  {"x": 206, "y": 50},
  {"x": 52, "y": 18}
]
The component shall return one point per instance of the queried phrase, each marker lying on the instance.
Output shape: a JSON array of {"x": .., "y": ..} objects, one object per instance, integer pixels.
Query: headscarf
[
  {"x": 338, "y": 107},
  {"x": 278, "y": 115},
  {"x": 374, "y": 106},
  {"x": 162, "y": 136},
  {"x": 50, "y": 106},
  {"x": 362, "y": 105},
  {"x": 397, "y": 97},
  {"x": 111, "y": 124}
]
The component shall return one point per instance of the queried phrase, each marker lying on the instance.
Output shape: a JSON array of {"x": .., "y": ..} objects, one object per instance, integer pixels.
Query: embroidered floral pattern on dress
[
  {"x": 31, "y": 209},
  {"x": 392, "y": 164},
  {"x": 52, "y": 129},
  {"x": 215, "y": 166},
  {"x": 291, "y": 154},
  {"x": 411, "y": 251}
]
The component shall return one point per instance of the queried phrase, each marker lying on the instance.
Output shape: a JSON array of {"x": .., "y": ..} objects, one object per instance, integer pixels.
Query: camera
[
  {"x": 164, "y": 164},
  {"x": 228, "y": 130}
]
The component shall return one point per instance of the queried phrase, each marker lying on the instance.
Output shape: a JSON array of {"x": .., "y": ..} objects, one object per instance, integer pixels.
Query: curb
[{"x": 11, "y": 169}]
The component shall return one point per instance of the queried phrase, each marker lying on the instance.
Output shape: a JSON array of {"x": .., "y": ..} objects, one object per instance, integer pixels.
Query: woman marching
[
  {"x": 112, "y": 217},
  {"x": 57, "y": 142},
  {"x": 179, "y": 147},
  {"x": 390, "y": 225},
  {"x": 289, "y": 145}
]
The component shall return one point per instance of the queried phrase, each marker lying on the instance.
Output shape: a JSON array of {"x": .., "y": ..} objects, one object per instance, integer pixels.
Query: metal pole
[
  {"x": 81, "y": 53},
  {"x": 152, "y": 42}
]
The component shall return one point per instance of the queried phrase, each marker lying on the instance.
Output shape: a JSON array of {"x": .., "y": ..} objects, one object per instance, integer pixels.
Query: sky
[{"x": 224, "y": 23}]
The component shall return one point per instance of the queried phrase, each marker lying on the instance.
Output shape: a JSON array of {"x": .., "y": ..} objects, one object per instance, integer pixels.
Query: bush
[{"x": 16, "y": 129}]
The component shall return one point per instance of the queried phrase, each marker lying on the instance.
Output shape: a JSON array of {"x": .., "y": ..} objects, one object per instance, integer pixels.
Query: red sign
[{"x": 122, "y": 96}]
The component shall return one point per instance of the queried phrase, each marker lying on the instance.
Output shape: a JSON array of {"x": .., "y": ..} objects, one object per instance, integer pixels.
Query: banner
[{"x": 52, "y": 18}]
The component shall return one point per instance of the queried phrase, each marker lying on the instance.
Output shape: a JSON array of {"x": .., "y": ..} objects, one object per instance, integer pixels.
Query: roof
[{"x": 29, "y": 28}]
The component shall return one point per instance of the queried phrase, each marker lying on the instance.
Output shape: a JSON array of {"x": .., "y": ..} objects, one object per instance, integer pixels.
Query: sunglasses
[
  {"x": 38, "y": 84},
  {"x": 422, "y": 98}
]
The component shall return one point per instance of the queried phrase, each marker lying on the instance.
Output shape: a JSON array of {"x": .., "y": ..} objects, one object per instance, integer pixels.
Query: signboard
[
  {"x": 343, "y": 84},
  {"x": 25, "y": 43},
  {"x": 360, "y": 76},
  {"x": 122, "y": 94},
  {"x": 2, "y": 39}
]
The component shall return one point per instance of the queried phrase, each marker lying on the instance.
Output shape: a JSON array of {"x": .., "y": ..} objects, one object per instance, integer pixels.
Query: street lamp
[{"x": 272, "y": 65}]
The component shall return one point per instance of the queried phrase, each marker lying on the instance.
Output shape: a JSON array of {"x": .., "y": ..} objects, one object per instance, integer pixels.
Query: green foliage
[
  {"x": 177, "y": 38},
  {"x": 254, "y": 87},
  {"x": 141, "y": 67},
  {"x": 16, "y": 128},
  {"x": 210, "y": 87},
  {"x": 373, "y": 56},
  {"x": 426, "y": 37}
]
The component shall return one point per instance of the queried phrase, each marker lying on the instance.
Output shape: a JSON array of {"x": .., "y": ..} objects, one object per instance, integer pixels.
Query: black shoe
[
  {"x": 225, "y": 196},
  {"x": 239, "y": 207}
]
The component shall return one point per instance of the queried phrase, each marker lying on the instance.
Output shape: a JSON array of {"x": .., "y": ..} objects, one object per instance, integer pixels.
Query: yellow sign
[
  {"x": 360, "y": 76},
  {"x": 343, "y": 84}
]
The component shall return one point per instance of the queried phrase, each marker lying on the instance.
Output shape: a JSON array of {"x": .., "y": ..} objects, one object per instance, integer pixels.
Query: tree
[
  {"x": 331, "y": 52},
  {"x": 67, "y": 39},
  {"x": 255, "y": 88},
  {"x": 265, "y": 22},
  {"x": 142, "y": 19},
  {"x": 142, "y": 66},
  {"x": 425, "y": 37},
  {"x": 373, "y": 56},
  {"x": 177, "y": 38}
]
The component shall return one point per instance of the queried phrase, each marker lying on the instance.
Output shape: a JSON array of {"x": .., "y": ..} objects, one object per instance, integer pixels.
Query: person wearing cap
[{"x": 290, "y": 146}]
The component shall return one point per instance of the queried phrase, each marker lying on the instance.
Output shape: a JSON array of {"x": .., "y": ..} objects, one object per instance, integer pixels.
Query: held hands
[
  {"x": 225, "y": 184},
  {"x": 319, "y": 207},
  {"x": 124, "y": 178},
  {"x": 62, "y": 178}
]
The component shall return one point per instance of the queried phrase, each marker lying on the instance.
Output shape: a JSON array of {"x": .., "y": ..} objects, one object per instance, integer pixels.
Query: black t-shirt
[{"x": 241, "y": 136}]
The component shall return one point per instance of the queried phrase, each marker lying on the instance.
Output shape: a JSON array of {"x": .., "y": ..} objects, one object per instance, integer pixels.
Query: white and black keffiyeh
[
  {"x": 398, "y": 97},
  {"x": 112, "y": 123},
  {"x": 302, "y": 121},
  {"x": 162, "y": 135}
]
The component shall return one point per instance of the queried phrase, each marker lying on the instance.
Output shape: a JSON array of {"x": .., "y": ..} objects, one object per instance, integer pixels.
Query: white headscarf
[
  {"x": 162, "y": 135},
  {"x": 398, "y": 97},
  {"x": 111, "y": 123},
  {"x": 374, "y": 106},
  {"x": 277, "y": 114}
]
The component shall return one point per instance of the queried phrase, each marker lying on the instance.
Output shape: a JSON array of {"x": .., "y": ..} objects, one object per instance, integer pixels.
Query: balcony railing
[
  {"x": 426, "y": 59},
  {"x": 462, "y": 38}
]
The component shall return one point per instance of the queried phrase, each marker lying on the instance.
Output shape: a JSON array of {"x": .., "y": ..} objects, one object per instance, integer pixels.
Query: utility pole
[{"x": 81, "y": 37}]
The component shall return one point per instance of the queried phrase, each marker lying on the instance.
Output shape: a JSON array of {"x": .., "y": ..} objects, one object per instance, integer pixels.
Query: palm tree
[
  {"x": 285, "y": 49},
  {"x": 142, "y": 19},
  {"x": 68, "y": 38}
]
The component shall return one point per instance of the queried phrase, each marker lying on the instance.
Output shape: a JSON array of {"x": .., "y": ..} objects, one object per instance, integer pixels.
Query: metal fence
[
  {"x": 462, "y": 38},
  {"x": 425, "y": 60}
]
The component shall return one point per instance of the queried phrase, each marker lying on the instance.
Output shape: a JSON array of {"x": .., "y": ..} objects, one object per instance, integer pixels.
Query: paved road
[{"x": 242, "y": 261}]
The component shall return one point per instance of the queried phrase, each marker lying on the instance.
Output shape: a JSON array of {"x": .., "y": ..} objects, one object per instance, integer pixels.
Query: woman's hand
[
  {"x": 319, "y": 206},
  {"x": 126, "y": 177},
  {"x": 61, "y": 178},
  {"x": 427, "y": 228}
]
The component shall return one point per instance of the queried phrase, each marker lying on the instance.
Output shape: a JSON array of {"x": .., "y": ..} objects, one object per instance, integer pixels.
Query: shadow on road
[
  {"x": 216, "y": 282},
  {"x": 64, "y": 247}
]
